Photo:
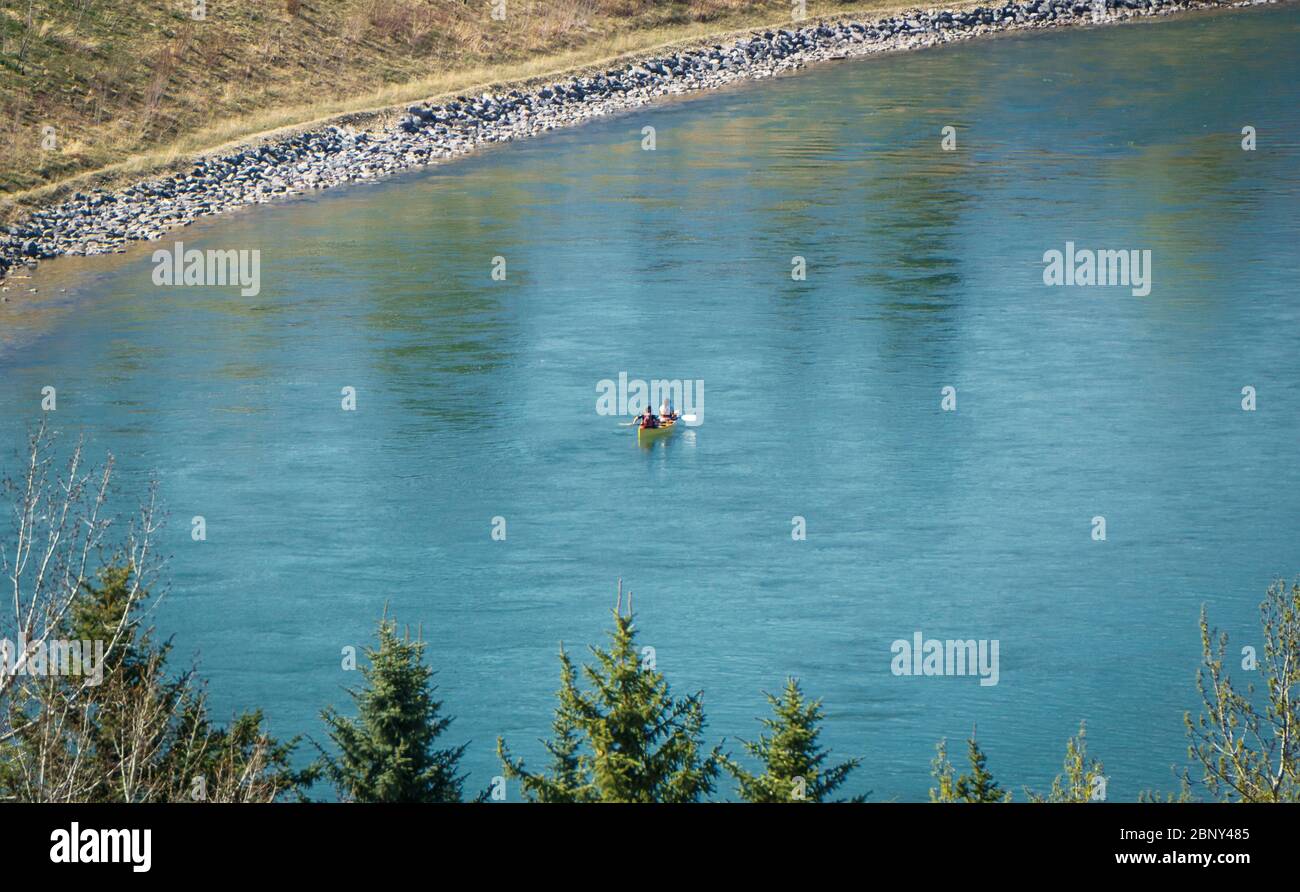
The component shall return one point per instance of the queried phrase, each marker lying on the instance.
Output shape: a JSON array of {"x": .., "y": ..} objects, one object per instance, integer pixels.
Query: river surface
[{"x": 477, "y": 399}]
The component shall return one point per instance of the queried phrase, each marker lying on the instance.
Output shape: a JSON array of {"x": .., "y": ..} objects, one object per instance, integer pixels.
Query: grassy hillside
[{"x": 141, "y": 81}]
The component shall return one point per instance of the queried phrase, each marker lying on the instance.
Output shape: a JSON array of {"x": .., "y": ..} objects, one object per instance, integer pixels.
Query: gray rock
[{"x": 103, "y": 222}]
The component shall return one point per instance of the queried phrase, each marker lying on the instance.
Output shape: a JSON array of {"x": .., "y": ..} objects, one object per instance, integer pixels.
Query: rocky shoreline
[{"x": 100, "y": 222}]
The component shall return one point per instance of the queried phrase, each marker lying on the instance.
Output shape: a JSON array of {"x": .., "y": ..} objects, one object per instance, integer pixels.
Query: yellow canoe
[{"x": 650, "y": 434}]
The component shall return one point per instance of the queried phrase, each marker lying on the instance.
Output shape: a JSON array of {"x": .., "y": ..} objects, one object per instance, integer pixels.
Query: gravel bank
[{"x": 100, "y": 222}]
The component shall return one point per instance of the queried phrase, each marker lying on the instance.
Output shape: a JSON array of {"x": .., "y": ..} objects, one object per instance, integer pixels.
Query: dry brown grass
[{"x": 131, "y": 86}]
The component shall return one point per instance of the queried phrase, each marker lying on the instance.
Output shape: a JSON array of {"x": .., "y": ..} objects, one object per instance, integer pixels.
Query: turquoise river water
[{"x": 477, "y": 399}]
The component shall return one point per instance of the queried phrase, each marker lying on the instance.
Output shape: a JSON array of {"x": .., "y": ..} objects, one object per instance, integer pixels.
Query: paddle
[{"x": 689, "y": 419}]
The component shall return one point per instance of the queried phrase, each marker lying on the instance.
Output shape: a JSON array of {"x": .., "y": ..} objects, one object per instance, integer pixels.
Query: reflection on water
[{"x": 476, "y": 398}]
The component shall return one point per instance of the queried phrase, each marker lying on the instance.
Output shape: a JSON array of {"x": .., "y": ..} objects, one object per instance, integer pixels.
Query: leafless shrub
[{"x": 60, "y": 524}]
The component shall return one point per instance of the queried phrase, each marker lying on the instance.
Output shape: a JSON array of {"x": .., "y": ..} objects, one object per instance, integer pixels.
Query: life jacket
[{"x": 649, "y": 421}]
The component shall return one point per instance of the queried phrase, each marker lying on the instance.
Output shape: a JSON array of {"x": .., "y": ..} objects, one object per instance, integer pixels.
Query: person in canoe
[
  {"x": 648, "y": 420},
  {"x": 666, "y": 412}
]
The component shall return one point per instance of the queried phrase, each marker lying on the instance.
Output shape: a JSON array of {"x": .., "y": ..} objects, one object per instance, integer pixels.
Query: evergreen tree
[
  {"x": 791, "y": 758},
  {"x": 134, "y": 734},
  {"x": 568, "y": 777},
  {"x": 627, "y": 739},
  {"x": 978, "y": 786},
  {"x": 388, "y": 753}
]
